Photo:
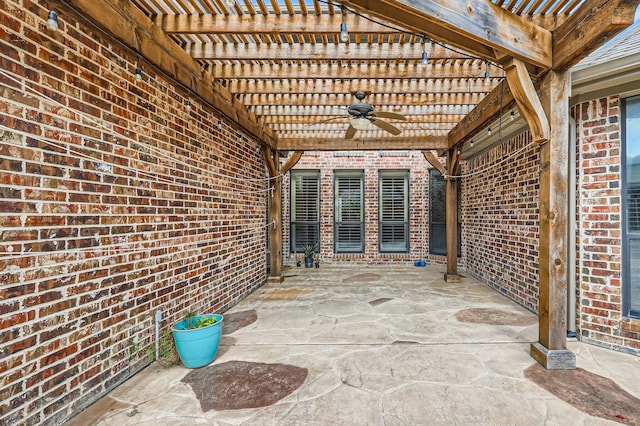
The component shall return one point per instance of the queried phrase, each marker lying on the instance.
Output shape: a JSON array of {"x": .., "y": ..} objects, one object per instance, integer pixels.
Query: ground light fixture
[
  {"x": 425, "y": 58},
  {"x": 52, "y": 19},
  {"x": 487, "y": 78},
  {"x": 138, "y": 70},
  {"x": 344, "y": 34}
]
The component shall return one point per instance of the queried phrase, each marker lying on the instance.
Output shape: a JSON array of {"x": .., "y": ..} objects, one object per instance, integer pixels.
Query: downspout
[{"x": 571, "y": 238}]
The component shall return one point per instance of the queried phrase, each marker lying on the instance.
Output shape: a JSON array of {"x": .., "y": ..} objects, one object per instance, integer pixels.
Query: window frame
[
  {"x": 389, "y": 173},
  {"x": 294, "y": 245},
  {"x": 627, "y": 237},
  {"x": 339, "y": 174}
]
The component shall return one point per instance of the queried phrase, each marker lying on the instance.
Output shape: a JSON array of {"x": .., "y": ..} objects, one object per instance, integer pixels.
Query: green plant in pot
[
  {"x": 197, "y": 338},
  {"x": 309, "y": 251}
]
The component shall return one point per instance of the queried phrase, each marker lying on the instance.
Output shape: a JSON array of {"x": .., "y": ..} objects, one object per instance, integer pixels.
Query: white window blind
[
  {"x": 305, "y": 209},
  {"x": 394, "y": 212},
  {"x": 348, "y": 223}
]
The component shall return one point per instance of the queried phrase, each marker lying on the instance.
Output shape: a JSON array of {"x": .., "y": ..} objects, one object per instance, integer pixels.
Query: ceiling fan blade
[
  {"x": 328, "y": 120},
  {"x": 388, "y": 114},
  {"x": 386, "y": 126},
  {"x": 351, "y": 131}
]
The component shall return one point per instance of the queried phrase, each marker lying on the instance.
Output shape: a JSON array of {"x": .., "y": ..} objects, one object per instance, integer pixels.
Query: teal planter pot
[{"x": 197, "y": 347}]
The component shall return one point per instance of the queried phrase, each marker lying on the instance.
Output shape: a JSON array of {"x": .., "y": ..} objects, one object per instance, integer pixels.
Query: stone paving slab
[{"x": 382, "y": 346}]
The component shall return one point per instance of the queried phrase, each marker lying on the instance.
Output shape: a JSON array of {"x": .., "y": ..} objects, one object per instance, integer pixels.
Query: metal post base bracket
[
  {"x": 550, "y": 359},
  {"x": 275, "y": 279}
]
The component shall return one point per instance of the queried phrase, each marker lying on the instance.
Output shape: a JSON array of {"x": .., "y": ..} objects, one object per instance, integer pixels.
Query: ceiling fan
[{"x": 363, "y": 116}]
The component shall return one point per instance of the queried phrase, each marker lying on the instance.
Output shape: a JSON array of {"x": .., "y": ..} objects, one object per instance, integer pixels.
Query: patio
[{"x": 378, "y": 345}]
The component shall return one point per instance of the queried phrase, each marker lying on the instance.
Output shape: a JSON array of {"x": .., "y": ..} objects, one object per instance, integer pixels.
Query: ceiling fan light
[{"x": 360, "y": 123}]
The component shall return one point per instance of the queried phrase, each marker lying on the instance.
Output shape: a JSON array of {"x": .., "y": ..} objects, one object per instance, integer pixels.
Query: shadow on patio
[{"x": 377, "y": 345}]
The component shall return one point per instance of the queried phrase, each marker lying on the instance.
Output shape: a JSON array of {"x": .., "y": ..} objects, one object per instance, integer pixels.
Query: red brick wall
[
  {"x": 500, "y": 219},
  {"x": 115, "y": 201},
  {"x": 500, "y": 224},
  {"x": 599, "y": 227},
  {"x": 371, "y": 162}
]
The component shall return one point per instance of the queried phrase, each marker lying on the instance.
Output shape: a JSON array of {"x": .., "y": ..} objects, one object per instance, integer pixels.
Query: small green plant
[
  {"x": 167, "y": 354},
  {"x": 199, "y": 323},
  {"x": 309, "y": 250}
]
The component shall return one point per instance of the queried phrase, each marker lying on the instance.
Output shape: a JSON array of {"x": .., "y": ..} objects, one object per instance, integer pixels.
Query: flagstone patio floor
[{"x": 383, "y": 345}]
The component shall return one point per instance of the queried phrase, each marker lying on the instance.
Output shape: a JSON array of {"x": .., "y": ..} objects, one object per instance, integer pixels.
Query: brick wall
[
  {"x": 371, "y": 162},
  {"x": 500, "y": 224},
  {"x": 115, "y": 201},
  {"x": 500, "y": 219},
  {"x": 599, "y": 227}
]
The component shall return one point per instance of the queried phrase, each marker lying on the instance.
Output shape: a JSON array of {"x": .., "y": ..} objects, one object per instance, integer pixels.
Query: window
[
  {"x": 438, "y": 214},
  {"x": 631, "y": 207},
  {"x": 305, "y": 209},
  {"x": 349, "y": 212},
  {"x": 393, "y": 211}
]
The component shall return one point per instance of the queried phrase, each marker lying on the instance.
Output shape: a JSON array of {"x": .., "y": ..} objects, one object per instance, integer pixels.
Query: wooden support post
[
  {"x": 551, "y": 349},
  {"x": 453, "y": 160},
  {"x": 272, "y": 161}
]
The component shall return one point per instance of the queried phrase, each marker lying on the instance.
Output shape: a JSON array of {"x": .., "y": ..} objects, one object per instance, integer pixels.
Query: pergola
[{"x": 280, "y": 70}]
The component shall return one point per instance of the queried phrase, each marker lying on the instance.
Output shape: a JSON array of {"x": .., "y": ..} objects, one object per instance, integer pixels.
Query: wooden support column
[
  {"x": 551, "y": 349},
  {"x": 453, "y": 160},
  {"x": 272, "y": 161}
]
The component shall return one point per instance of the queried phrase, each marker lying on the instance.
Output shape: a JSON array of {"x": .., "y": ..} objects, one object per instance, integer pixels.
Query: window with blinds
[
  {"x": 631, "y": 207},
  {"x": 305, "y": 209},
  {"x": 393, "y": 189},
  {"x": 349, "y": 212}
]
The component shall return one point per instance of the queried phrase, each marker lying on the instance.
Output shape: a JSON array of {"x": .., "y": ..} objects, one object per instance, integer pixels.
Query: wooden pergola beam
[
  {"x": 338, "y": 71},
  {"x": 420, "y": 84},
  {"x": 478, "y": 27},
  {"x": 409, "y": 128},
  {"x": 292, "y": 120},
  {"x": 384, "y": 143},
  {"x": 345, "y": 99},
  {"x": 273, "y": 24},
  {"x": 129, "y": 25},
  {"x": 318, "y": 52},
  {"x": 595, "y": 22},
  {"x": 335, "y": 110},
  {"x": 484, "y": 113}
]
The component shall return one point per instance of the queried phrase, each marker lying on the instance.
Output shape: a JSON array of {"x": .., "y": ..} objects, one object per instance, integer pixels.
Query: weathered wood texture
[
  {"x": 553, "y": 214},
  {"x": 526, "y": 98},
  {"x": 433, "y": 160},
  {"x": 453, "y": 161},
  {"x": 482, "y": 115},
  {"x": 595, "y": 22},
  {"x": 131, "y": 27},
  {"x": 479, "y": 27},
  {"x": 272, "y": 161},
  {"x": 359, "y": 143},
  {"x": 256, "y": 24},
  {"x": 270, "y": 158}
]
